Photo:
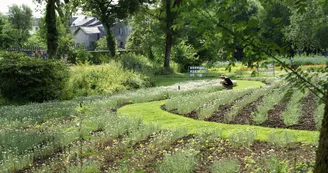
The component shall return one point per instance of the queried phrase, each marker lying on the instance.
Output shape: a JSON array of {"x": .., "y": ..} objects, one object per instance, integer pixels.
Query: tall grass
[{"x": 102, "y": 79}]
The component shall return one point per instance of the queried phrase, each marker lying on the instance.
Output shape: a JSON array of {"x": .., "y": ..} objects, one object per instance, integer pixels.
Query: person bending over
[{"x": 226, "y": 82}]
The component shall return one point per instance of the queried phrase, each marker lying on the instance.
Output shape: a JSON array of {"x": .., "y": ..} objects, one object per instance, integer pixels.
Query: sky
[{"x": 4, "y": 4}]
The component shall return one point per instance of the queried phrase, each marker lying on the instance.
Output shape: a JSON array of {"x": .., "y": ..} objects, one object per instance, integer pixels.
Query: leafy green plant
[
  {"x": 249, "y": 99},
  {"x": 319, "y": 115},
  {"x": 274, "y": 164},
  {"x": 225, "y": 166},
  {"x": 269, "y": 100},
  {"x": 136, "y": 63},
  {"x": 103, "y": 79},
  {"x": 242, "y": 138},
  {"x": 31, "y": 80},
  {"x": 83, "y": 56},
  {"x": 183, "y": 161},
  {"x": 283, "y": 139},
  {"x": 292, "y": 114},
  {"x": 225, "y": 97}
]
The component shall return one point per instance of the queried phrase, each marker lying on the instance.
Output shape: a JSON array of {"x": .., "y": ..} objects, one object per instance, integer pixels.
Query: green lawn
[{"x": 152, "y": 113}]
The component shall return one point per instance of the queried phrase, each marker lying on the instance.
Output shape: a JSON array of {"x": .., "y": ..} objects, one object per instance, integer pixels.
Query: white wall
[{"x": 81, "y": 38}]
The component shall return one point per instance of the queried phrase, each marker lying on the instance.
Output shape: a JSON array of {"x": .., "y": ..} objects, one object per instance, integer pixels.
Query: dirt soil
[
  {"x": 274, "y": 116},
  {"x": 306, "y": 121},
  {"x": 218, "y": 116},
  {"x": 309, "y": 105},
  {"x": 252, "y": 157},
  {"x": 245, "y": 115}
]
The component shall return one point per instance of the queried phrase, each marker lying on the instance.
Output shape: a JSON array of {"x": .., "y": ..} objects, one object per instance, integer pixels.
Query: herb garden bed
[{"x": 268, "y": 107}]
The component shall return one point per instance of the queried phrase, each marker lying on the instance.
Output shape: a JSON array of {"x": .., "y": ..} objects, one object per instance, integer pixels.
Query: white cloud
[{"x": 4, "y": 4}]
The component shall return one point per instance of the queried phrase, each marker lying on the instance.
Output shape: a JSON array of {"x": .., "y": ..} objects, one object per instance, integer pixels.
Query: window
[{"x": 120, "y": 32}]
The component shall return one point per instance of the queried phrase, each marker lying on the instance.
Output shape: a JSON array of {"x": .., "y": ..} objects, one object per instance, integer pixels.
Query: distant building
[
  {"x": 35, "y": 25},
  {"x": 87, "y": 30}
]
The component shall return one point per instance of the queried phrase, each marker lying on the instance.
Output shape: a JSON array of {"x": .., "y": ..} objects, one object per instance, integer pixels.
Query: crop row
[
  {"x": 294, "y": 109},
  {"x": 247, "y": 100},
  {"x": 268, "y": 102},
  {"x": 208, "y": 108}
]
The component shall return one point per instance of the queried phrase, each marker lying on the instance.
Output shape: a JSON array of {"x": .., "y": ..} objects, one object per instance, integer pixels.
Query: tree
[
  {"x": 299, "y": 78},
  {"x": 20, "y": 20},
  {"x": 274, "y": 18},
  {"x": 5, "y": 40},
  {"x": 307, "y": 30},
  {"x": 52, "y": 32},
  {"x": 169, "y": 19},
  {"x": 147, "y": 37},
  {"x": 109, "y": 12}
]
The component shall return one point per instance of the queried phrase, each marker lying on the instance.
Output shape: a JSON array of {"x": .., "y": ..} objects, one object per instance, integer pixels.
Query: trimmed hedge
[{"x": 26, "y": 79}]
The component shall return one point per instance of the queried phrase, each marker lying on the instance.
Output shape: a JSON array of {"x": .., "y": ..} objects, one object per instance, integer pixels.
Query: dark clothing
[{"x": 228, "y": 82}]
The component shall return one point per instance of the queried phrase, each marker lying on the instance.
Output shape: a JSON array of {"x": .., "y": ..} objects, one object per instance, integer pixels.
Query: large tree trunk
[
  {"x": 239, "y": 53},
  {"x": 52, "y": 33},
  {"x": 169, "y": 34},
  {"x": 321, "y": 164},
  {"x": 111, "y": 44}
]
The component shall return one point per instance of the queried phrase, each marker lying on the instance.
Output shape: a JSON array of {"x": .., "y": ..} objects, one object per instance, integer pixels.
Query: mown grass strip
[{"x": 152, "y": 113}]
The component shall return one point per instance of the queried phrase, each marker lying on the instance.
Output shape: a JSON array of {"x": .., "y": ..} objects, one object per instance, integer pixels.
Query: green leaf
[
  {"x": 91, "y": 170},
  {"x": 88, "y": 154},
  {"x": 88, "y": 137},
  {"x": 69, "y": 129}
]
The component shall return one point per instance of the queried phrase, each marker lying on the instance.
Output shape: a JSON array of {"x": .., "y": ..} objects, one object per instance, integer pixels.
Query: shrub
[
  {"x": 185, "y": 55},
  {"x": 103, "y": 79},
  {"x": 26, "y": 79},
  {"x": 135, "y": 62},
  {"x": 83, "y": 56},
  {"x": 99, "y": 57}
]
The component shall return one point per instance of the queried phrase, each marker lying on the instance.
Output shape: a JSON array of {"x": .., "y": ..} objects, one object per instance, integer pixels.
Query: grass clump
[
  {"x": 225, "y": 166},
  {"x": 183, "y": 161},
  {"x": 283, "y": 139},
  {"x": 242, "y": 137}
]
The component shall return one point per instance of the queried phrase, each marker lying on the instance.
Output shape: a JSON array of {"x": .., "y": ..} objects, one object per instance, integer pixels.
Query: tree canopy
[{"x": 20, "y": 21}]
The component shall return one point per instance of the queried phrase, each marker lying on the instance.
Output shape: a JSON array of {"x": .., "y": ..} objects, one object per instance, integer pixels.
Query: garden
[
  {"x": 145, "y": 95},
  {"x": 193, "y": 126}
]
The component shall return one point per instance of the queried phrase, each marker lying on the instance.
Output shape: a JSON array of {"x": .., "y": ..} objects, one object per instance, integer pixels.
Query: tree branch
[{"x": 315, "y": 89}]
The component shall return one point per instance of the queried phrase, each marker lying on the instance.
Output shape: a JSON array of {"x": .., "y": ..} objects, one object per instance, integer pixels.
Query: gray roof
[
  {"x": 94, "y": 23},
  {"x": 90, "y": 30},
  {"x": 82, "y": 20}
]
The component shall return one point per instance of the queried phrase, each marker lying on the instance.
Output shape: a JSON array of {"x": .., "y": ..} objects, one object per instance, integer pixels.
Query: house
[
  {"x": 35, "y": 25},
  {"x": 87, "y": 30}
]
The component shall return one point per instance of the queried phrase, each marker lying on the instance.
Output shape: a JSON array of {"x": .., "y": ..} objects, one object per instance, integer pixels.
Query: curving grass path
[{"x": 152, "y": 113}]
